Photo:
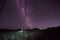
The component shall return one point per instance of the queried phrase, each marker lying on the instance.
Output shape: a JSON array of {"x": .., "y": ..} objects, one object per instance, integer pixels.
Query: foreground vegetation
[{"x": 31, "y": 34}]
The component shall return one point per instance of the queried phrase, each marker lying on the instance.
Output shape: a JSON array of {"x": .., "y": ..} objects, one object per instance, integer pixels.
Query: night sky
[{"x": 43, "y": 14}]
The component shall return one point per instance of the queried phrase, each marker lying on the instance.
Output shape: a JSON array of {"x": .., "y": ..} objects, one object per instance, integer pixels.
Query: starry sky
[{"x": 43, "y": 14}]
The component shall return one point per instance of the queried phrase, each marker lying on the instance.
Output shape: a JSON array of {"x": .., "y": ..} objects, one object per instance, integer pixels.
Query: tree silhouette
[{"x": 2, "y": 4}]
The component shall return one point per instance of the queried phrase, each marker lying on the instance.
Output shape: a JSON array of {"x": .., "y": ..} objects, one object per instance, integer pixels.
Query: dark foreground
[{"x": 31, "y": 34}]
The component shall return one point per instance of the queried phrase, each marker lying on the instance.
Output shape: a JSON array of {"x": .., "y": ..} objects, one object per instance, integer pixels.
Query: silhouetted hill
[
  {"x": 30, "y": 34},
  {"x": 50, "y": 34}
]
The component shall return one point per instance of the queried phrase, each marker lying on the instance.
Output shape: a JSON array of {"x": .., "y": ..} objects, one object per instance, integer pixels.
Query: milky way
[
  {"x": 21, "y": 5},
  {"x": 40, "y": 14}
]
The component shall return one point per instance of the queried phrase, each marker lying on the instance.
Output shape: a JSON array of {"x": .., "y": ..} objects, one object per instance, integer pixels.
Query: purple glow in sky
[
  {"x": 24, "y": 13},
  {"x": 40, "y": 13}
]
